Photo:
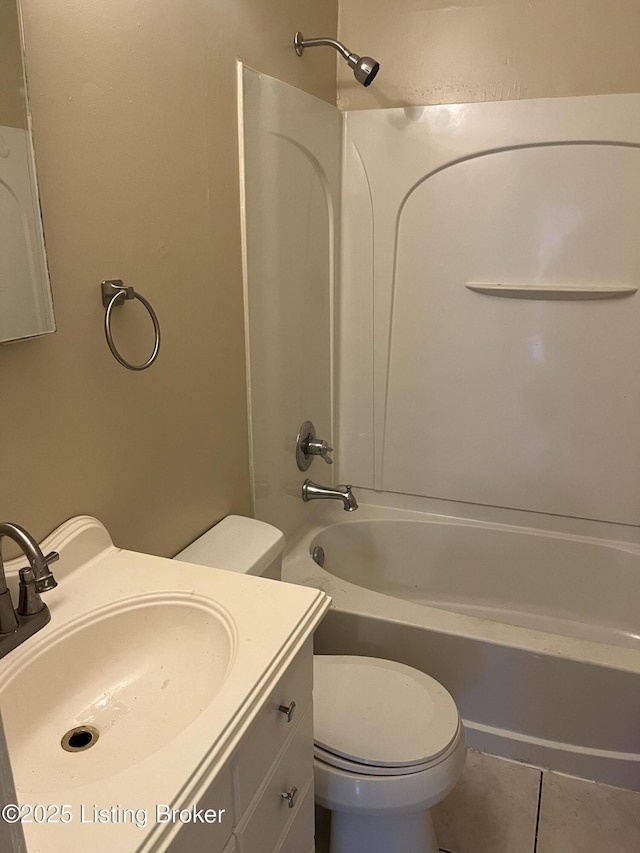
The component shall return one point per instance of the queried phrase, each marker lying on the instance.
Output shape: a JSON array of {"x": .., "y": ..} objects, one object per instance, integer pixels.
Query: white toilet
[{"x": 389, "y": 742}]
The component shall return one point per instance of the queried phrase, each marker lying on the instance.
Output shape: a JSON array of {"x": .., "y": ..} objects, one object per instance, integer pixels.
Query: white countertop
[{"x": 268, "y": 622}]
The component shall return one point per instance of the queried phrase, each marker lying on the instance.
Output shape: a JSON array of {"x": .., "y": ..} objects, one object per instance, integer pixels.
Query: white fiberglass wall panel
[
  {"x": 291, "y": 151},
  {"x": 529, "y": 403}
]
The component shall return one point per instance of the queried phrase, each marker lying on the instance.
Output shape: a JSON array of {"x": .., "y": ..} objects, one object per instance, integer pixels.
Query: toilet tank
[{"x": 239, "y": 544}]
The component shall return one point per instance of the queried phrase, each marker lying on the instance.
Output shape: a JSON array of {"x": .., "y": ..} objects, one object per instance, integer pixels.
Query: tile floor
[{"x": 503, "y": 807}]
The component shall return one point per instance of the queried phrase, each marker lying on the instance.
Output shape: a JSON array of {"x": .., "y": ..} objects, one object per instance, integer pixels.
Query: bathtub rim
[
  {"x": 604, "y": 766},
  {"x": 298, "y": 567}
]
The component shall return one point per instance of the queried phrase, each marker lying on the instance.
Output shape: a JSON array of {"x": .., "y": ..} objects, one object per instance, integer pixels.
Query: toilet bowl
[{"x": 389, "y": 742}]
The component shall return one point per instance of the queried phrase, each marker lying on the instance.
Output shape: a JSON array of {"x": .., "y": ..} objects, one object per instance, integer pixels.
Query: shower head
[{"x": 364, "y": 67}]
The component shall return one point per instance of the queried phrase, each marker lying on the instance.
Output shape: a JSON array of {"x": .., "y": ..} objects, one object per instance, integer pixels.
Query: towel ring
[{"x": 112, "y": 291}]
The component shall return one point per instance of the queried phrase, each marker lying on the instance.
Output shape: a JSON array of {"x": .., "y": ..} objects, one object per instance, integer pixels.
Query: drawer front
[
  {"x": 270, "y": 815},
  {"x": 299, "y": 836},
  {"x": 268, "y": 732},
  {"x": 208, "y": 829}
]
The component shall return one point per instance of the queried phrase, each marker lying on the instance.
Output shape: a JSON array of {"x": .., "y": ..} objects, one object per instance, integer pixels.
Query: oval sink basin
[{"x": 138, "y": 672}]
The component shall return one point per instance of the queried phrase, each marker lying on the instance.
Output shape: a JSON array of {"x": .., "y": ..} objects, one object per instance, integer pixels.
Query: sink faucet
[
  {"x": 32, "y": 614},
  {"x": 312, "y": 491}
]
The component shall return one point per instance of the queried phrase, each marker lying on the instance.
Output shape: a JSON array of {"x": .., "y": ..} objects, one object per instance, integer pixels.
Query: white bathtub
[{"x": 536, "y": 634}]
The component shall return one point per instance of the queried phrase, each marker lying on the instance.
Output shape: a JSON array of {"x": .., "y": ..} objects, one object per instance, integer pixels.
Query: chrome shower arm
[
  {"x": 364, "y": 67},
  {"x": 300, "y": 43}
]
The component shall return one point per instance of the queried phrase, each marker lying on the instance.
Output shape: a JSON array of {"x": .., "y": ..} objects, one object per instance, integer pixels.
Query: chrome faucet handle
[
  {"x": 319, "y": 447},
  {"x": 308, "y": 446},
  {"x": 29, "y": 602},
  {"x": 44, "y": 579}
]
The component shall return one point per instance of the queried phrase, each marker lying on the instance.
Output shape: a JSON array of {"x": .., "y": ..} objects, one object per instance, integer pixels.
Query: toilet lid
[{"x": 379, "y": 712}]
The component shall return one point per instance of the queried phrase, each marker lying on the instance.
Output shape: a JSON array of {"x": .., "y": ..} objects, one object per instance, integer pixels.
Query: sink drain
[{"x": 80, "y": 738}]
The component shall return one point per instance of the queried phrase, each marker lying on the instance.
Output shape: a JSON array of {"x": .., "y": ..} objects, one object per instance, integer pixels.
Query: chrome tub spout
[{"x": 313, "y": 491}]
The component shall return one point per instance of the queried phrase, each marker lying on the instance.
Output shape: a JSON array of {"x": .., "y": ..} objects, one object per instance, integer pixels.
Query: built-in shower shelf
[{"x": 552, "y": 291}]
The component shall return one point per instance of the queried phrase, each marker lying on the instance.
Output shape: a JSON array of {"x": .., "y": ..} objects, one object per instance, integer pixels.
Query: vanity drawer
[
  {"x": 210, "y": 837},
  {"x": 270, "y": 729},
  {"x": 267, "y": 820},
  {"x": 299, "y": 836}
]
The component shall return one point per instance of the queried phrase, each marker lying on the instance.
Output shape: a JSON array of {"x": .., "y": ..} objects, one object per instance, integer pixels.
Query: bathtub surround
[
  {"x": 533, "y": 409},
  {"x": 531, "y": 423},
  {"x": 532, "y": 413},
  {"x": 531, "y": 416},
  {"x": 291, "y": 186}
]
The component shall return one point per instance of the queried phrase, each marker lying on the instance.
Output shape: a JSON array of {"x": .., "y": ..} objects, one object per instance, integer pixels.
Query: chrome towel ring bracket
[{"x": 115, "y": 292}]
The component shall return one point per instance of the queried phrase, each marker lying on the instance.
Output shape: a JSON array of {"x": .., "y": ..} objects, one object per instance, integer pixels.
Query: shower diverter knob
[
  {"x": 318, "y": 447},
  {"x": 308, "y": 446}
]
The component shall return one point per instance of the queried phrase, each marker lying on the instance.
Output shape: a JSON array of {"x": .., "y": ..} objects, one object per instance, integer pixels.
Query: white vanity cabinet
[
  {"x": 187, "y": 670},
  {"x": 267, "y": 784}
]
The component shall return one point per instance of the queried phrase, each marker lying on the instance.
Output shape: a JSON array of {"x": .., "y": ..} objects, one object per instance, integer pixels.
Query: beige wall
[
  {"x": 433, "y": 52},
  {"x": 134, "y": 109}
]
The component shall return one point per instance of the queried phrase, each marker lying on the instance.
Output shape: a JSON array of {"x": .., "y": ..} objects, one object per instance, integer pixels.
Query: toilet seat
[
  {"x": 360, "y": 769},
  {"x": 357, "y": 792},
  {"x": 379, "y": 717}
]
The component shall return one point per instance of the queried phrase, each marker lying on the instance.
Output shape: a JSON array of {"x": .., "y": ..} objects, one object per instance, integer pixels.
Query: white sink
[
  {"x": 136, "y": 672},
  {"x": 167, "y": 661}
]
